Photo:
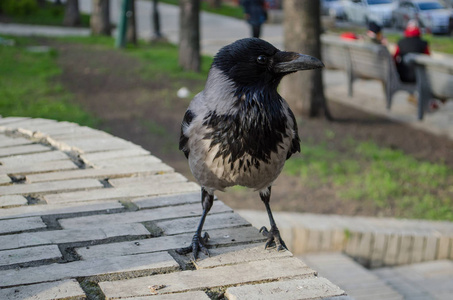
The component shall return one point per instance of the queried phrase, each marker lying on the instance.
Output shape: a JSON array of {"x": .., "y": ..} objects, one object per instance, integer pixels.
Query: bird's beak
[{"x": 288, "y": 62}]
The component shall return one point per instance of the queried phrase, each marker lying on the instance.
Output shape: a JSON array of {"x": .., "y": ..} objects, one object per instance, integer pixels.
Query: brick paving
[{"x": 85, "y": 215}]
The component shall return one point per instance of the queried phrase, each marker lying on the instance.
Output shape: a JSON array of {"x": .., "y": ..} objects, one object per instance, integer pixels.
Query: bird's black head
[{"x": 255, "y": 62}]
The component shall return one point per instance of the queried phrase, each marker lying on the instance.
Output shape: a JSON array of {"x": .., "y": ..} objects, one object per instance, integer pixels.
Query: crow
[{"x": 239, "y": 130}]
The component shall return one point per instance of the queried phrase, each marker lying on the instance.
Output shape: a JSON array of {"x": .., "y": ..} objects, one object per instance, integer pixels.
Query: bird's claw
[
  {"x": 198, "y": 244},
  {"x": 273, "y": 238}
]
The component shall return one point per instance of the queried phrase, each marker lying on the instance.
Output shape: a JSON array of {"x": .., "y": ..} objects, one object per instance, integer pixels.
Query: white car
[
  {"x": 430, "y": 14},
  {"x": 364, "y": 11},
  {"x": 333, "y": 8}
]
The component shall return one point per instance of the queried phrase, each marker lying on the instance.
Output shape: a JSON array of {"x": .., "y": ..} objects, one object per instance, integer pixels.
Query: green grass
[
  {"x": 27, "y": 87},
  {"x": 389, "y": 179},
  {"x": 48, "y": 15}
]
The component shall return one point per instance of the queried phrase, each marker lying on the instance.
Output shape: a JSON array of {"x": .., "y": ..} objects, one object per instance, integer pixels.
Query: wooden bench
[
  {"x": 434, "y": 79},
  {"x": 363, "y": 60}
]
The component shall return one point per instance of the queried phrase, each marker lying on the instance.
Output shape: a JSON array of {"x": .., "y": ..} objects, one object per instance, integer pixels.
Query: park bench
[
  {"x": 363, "y": 61},
  {"x": 434, "y": 79}
]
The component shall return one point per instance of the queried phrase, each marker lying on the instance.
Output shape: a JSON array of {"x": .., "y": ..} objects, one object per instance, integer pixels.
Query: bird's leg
[
  {"x": 199, "y": 242},
  {"x": 273, "y": 235}
]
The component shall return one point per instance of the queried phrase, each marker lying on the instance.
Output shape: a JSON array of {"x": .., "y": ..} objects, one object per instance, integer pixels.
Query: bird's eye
[{"x": 262, "y": 59}]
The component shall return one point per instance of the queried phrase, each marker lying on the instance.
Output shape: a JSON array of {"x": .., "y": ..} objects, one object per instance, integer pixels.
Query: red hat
[{"x": 412, "y": 29}]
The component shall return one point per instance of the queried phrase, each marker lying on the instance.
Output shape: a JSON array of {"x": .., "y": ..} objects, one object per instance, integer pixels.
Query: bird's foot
[
  {"x": 273, "y": 238},
  {"x": 198, "y": 244}
]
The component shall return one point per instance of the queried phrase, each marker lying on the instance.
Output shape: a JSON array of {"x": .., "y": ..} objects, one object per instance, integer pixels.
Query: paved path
[{"x": 84, "y": 213}]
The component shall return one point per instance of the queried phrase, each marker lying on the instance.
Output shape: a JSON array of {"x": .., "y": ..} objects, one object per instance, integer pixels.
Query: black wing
[
  {"x": 183, "y": 139},
  {"x": 295, "y": 143}
]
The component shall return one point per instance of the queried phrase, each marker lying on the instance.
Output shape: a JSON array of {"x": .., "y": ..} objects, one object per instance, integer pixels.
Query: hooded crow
[{"x": 239, "y": 130}]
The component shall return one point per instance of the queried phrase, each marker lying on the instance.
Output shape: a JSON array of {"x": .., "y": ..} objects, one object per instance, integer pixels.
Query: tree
[
  {"x": 100, "y": 17},
  {"x": 131, "y": 35},
  {"x": 189, "y": 35},
  {"x": 304, "y": 91},
  {"x": 72, "y": 13}
]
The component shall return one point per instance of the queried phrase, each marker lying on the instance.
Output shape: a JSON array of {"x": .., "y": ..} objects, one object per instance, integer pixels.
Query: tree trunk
[
  {"x": 72, "y": 13},
  {"x": 100, "y": 18},
  {"x": 189, "y": 35},
  {"x": 155, "y": 18},
  {"x": 131, "y": 35},
  {"x": 304, "y": 90}
]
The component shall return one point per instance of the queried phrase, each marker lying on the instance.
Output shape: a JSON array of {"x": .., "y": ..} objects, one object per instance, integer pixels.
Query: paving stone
[
  {"x": 48, "y": 166},
  {"x": 23, "y": 149},
  {"x": 16, "y": 225},
  {"x": 6, "y": 141},
  {"x": 86, "y": 145},
  {"x": 10, "y": 120},
  {"x": 297, "y": 289},
  {"x": 140, "y": 264},
  {"x": 159, "y": 201},
  {"x": 123, "y": 193},
  {"x": 378, "y": 250},
  {"x": 21, "y": 160},
  {"x": 92, "y": 158},
  {"x": 50, "y": 187},
  {"x": 430, "y": 248},
  {"x": 405, "y": 250},
  {"x": 12, "y": 200},
  {"x": 208, "y": 278},
  {"x": 64, "y": 290},
  {"x": 239, "y": 254},
  {"x": 217, "y": 221},
  {"x": 148, "y": 180},
  {"x": 126, "y": 161},
  {"x": 198, "y": 295},
  {"x": 27, "y": 123},
  {"x": 13, "y": 241},
  {"x": 59, "y": 209},
  {"x": 4, "y": 179},
  {"x": 443, "y": 247},
  {"x": 418, "y": 246},
  {"x": 101, "y": 173},
  {"x": 163, "y": 213},
  {"x": 23, "y": 255},
  {"x": 219, "y": 237},
  {"x": 391, "y": 253}
]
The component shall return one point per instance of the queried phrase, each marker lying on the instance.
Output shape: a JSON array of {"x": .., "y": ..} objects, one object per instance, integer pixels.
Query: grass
[
  {"x": 27, "y": 87},
  {"x": 50, "y": 14},
  {"x": 388, "y": 178}
]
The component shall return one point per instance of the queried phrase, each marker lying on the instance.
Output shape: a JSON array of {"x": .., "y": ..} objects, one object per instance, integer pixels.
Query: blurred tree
[
  {"x": 304, "y": 91},
  {"x": 100, "y": 17},
  {"x": 189, "y": 35},
  {"x": 72, "y": 13},
  {"x": 155, "y": 20},
  {"x": 131, "y": 23}
]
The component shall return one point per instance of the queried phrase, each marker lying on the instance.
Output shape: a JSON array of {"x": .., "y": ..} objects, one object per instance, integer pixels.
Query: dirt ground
[{"x": 107, "y": 84}]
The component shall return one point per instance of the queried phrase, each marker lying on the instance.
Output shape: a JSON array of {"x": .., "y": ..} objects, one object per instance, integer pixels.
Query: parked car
[
  {"x": 430, "y": 14},
  {"x": 364, "y": 11},
  {"x": 333, "y": 8}
]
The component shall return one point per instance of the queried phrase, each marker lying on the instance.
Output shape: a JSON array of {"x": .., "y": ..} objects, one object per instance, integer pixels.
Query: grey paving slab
[
  {"x": 23, "y": 149},
  {"x": 30, "y": 254},
  {"x": 126, "y": 161},
  {"x": 14, "y": 241},
  {"x": 178, "y": 296},
  {"x": 59, "y": 209},
  {"x": 39, "y": 167},
  {"x": 141, "y": 263},
  {"x": 20, "y": 160},
  {"x": 216, "y": 221},
  {"x": 9, "y": 120},
  {"x": 219, "y": 237},
  {"x": 86, "y": 145},
  {"x": 50, "y": 187},
  {"x": 12, "y": 200},
  {"x": 92, "y": 158},
  {"x": 15, "y": 225},
  {"x": 4, "y": 179},
  {"x": 101, "y": 173},
  {"x": 297, "y": 289},
  {"x": 123, "y": 193},
  {"x": 159, "y": 201},
  {"x": 7, "y": 141},
  {"x": 64, "y": 290},
  {"x": 208, "y": 278},
  {"x": 147, "y": 180},
  {"x": 162, "y": 213}
]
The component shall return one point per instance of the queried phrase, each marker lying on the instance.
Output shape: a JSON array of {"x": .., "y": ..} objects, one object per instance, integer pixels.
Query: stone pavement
[{"x": 84, "y": 214}]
